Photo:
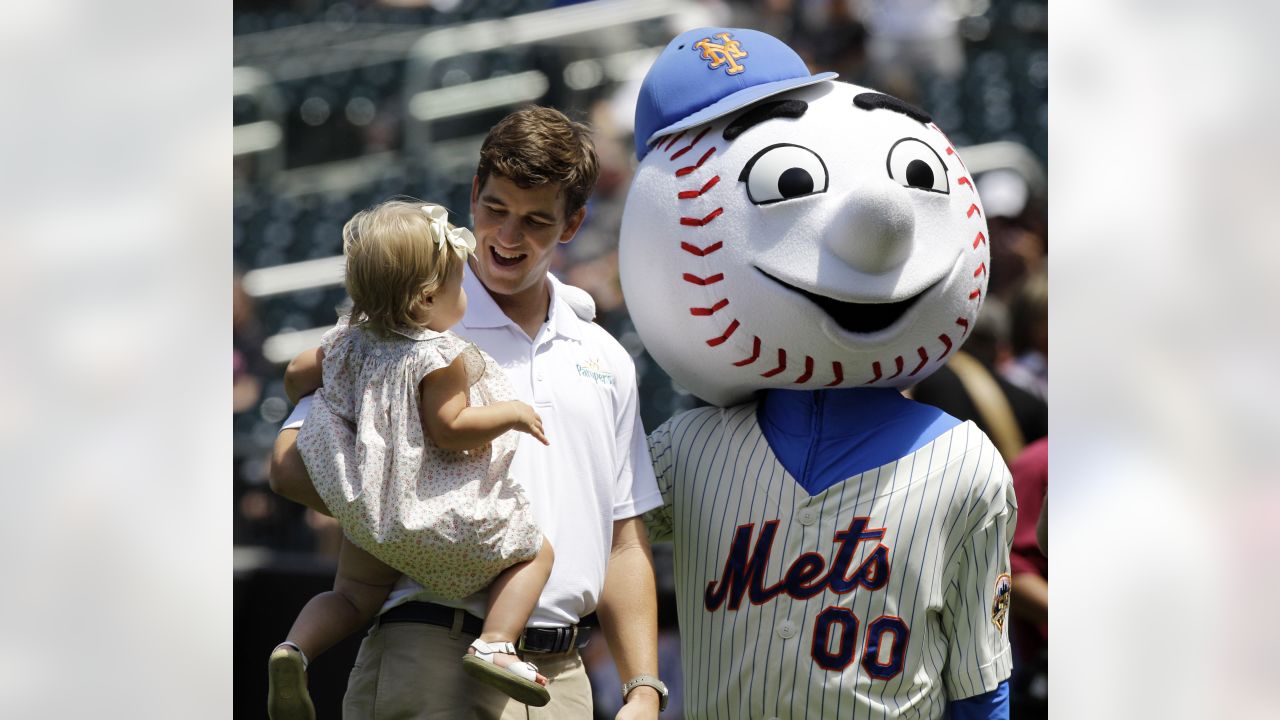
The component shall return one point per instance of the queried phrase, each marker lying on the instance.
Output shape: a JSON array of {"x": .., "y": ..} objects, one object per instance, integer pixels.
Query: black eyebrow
[
  {"x": 765, "y": 111},
  {"x": 536, "y": 214},
  {"x": 880, "y": 101}
]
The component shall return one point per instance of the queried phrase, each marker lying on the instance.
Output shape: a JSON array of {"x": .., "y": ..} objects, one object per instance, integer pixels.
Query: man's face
[{"x": 517, "y": 230}]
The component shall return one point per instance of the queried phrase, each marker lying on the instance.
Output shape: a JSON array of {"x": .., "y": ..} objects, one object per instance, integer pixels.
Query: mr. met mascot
[{"x": 796, "y": 251}]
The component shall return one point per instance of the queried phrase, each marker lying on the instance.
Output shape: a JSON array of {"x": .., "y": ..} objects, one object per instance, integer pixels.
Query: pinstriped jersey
[{"x": 884, "y": 596}]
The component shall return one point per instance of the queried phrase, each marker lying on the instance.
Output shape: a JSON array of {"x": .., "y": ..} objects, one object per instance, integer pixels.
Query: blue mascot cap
[{"x": 707, "y": 73}]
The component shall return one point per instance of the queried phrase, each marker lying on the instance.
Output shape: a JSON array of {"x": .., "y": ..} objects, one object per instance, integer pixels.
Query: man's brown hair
[{"x": 538, "y": 145}]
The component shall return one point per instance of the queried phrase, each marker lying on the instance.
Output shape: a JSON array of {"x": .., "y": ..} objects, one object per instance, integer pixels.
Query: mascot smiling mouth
[{"x": 857, "y": 317}]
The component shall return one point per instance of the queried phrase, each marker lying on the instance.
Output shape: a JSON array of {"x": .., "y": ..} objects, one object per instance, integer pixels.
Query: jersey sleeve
[
  {"x": 976, "y": 605},
  {"x": 658, "y": 520},
  {"x": 635, "y": 491}
]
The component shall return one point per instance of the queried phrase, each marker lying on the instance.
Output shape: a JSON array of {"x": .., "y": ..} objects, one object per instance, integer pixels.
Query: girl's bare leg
[
  {"x": 512, "y": 597},
  {"x": 288, "y": 474},
  {"x": 359, "y": 590}
]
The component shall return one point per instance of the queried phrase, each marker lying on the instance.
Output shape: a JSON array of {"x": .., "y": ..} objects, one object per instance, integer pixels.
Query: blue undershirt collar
[{"x": 824, "y": 437}]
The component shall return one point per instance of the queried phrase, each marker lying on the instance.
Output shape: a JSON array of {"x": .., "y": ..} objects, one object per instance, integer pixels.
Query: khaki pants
[{"x": 413, "y": 671}]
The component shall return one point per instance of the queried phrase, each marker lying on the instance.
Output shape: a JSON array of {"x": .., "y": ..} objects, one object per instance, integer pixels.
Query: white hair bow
[{"x": 459, "y": 238}]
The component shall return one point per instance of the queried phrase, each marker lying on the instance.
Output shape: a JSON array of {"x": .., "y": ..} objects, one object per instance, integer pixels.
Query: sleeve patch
[{"x": 1000, "y": 603}]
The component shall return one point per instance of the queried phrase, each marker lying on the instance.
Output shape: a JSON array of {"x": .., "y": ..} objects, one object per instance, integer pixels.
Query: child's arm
[
  {"x": 453, "y": 425},
  {"x": 304, "y": 374}
]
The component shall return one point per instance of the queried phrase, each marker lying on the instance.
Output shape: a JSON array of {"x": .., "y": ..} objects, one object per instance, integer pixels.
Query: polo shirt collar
[
  {"x": 561, "y": 318},
  {"x": 483, "y": 312}
]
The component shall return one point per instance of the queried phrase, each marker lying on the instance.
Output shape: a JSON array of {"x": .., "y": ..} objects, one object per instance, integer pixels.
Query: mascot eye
[
  {"x": 914, "y": 164},
  {"x": 782, "y": 172}
]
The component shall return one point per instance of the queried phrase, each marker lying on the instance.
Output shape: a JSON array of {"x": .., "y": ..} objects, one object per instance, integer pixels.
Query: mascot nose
[{"x": 873, "y": 229}]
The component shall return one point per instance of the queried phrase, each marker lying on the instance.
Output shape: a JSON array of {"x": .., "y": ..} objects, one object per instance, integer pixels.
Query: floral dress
[{"x": 449, "y": 520}]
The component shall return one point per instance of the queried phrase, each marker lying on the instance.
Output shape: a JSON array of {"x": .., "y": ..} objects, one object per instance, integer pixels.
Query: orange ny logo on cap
[{"x": 725, "y": 52}]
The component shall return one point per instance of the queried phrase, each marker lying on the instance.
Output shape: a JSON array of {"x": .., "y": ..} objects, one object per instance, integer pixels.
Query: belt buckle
[{"x": 566, "y": 639}]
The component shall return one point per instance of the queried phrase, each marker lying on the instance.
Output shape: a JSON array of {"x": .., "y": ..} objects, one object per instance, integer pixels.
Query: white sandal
[
  {"x": 519, "y": 679},
  {"x": 287, "y": 697}
]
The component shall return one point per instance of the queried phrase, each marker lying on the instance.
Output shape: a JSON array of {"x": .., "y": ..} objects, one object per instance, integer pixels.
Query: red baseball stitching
[
  {"x": 711, "y": 310},
  {"x": 924, "y": 358},
  {"x": 962, "y": 322},
  {"x": 782, "y": 364},
  {"x": 875, "y": 367},
  {"x": 973, "y": 208},
  {"x": 946, "y": 340},
  {"x": 965, "y": 181},
  {"x": 982, "y": 268},
  {"x": 690, "y": 194},
  {"x": 688, "y": 277},
  {"x": 725, "y": 335},
  {"x": 898, "y": 363},
  {"x": 673, "y": 140},
  {"x": 699, "y": 222},
  {"x": 979, "y": 239},
  {"x": 689, "y": 147},
  {"x": 950, "y": 148},
  {"x": 838, "y": 369},
  {"x": 808, "y": 370},
  {"x": 755, "y": 353},
  {"x": 686, "y": 170},
  {"x": 701, "y": 252}
]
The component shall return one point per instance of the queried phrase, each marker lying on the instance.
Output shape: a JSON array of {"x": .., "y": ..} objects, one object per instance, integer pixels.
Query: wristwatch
[{"x": 652, "y": 682}]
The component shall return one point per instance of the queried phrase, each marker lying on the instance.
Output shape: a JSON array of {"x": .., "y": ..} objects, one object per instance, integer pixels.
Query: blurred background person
[{"x": 1029, "y": 603}]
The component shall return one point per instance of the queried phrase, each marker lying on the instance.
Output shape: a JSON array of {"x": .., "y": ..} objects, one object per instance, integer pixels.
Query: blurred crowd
[{"x": 335, "y": 80}]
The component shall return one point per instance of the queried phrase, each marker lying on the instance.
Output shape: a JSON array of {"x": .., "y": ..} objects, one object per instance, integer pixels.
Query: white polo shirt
[{"x": 596, "y": 469}]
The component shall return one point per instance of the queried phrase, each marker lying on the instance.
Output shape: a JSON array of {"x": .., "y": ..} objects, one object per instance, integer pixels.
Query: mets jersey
[{"x": 882, "y": 596}]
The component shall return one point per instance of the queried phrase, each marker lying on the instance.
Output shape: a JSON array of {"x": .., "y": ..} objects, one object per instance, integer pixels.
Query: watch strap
[{"x": 651, "y": 681}]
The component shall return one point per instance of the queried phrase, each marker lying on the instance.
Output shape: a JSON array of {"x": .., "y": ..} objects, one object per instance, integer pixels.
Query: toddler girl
[{"x": 421, "y": 486}]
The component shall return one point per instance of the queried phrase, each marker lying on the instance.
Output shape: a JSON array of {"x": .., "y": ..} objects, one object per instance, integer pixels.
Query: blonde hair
[{"x": 394, "y": 260}]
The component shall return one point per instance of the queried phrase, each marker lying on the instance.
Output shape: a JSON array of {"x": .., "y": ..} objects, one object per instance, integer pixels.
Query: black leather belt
[{"x": 547, "y": 641}]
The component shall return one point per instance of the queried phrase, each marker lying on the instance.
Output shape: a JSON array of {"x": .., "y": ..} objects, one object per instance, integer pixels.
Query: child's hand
[{"x": 528, "y": 421}]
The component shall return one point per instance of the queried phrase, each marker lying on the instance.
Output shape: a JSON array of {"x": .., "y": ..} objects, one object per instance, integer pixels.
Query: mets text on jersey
[{"x": 744, "y": 575}]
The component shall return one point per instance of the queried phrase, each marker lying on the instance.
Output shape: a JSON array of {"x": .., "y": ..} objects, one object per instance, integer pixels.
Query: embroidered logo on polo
[
  {"x": 594, "y": 370},
  {"x": 722, "y": 54}
]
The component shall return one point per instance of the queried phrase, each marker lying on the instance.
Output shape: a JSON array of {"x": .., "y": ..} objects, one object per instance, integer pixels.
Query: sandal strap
[
  {"x": 291, "y": 644},
  {"x": 487, "y": 648}
]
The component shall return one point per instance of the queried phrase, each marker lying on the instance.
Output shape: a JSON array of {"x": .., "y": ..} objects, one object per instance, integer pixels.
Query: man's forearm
[{"x": 628, "y": 607}]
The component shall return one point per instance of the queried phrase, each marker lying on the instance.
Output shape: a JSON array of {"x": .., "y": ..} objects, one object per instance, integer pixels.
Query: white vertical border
[
  {"x": 1164, "y": 266},
  {"x": 115, "y": 191}
]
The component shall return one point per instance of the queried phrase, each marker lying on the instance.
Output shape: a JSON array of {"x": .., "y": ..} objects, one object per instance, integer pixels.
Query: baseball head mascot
[{"x": 795, "y": 251}]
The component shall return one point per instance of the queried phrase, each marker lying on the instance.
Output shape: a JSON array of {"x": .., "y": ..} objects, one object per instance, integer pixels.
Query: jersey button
[
  {"x": 807, "y": 516},
  {"x": 786, "y": 629}
]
